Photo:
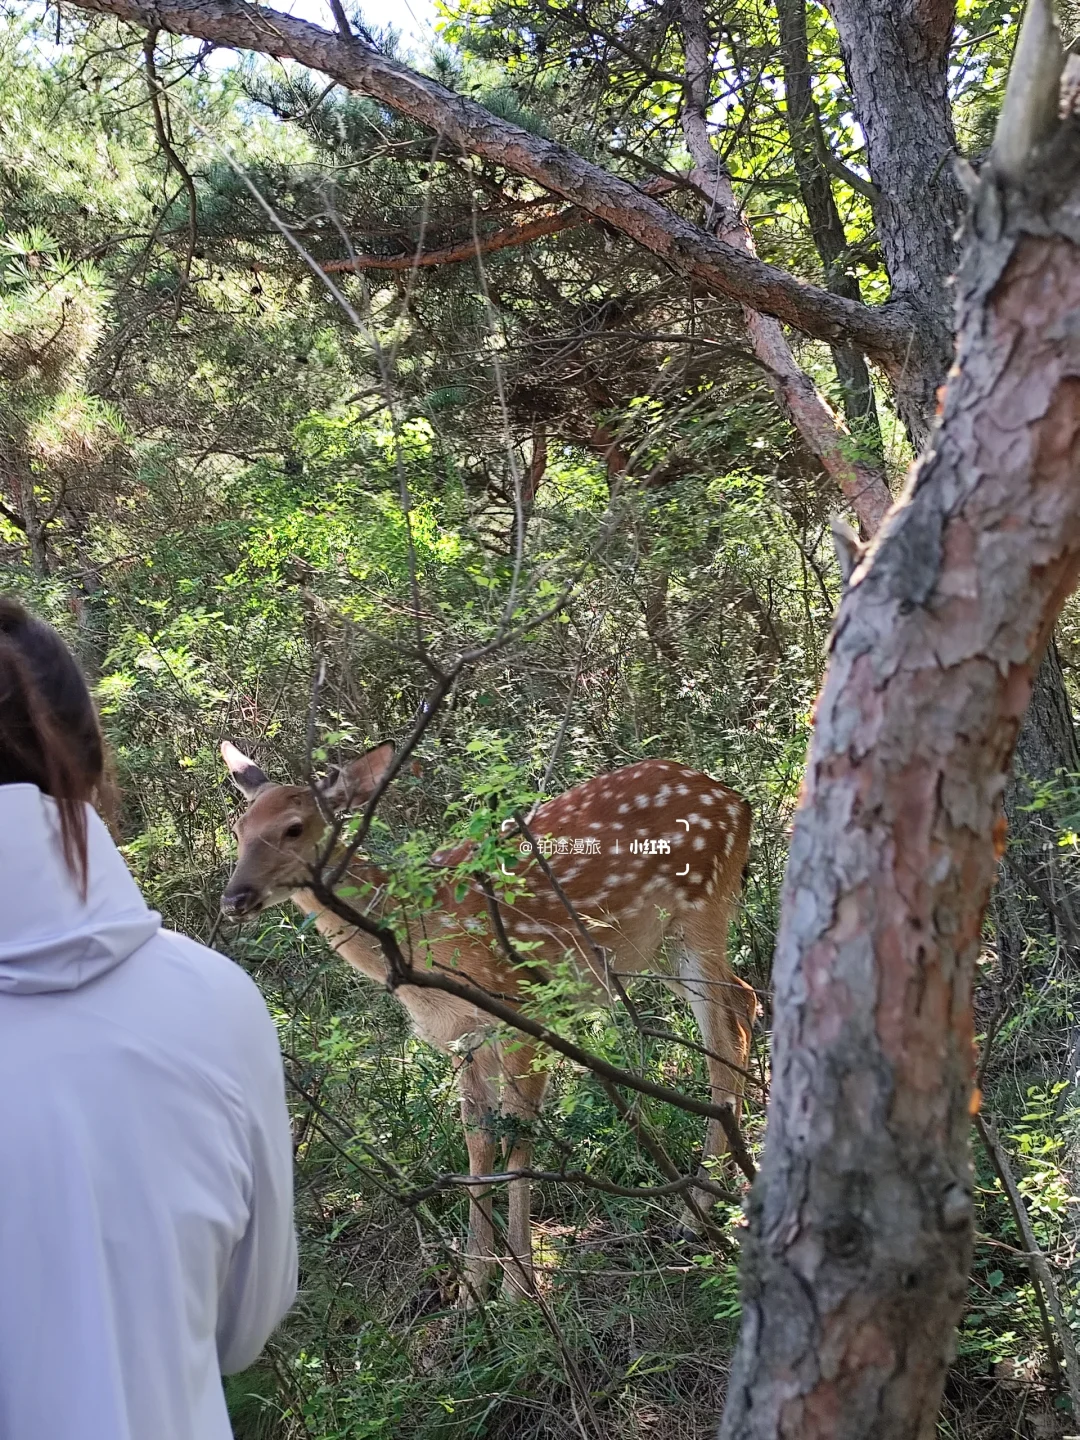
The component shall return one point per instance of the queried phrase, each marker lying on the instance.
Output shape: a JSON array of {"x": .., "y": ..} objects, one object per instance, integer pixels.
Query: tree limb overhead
[
  {"x": 503, "y": 239},
  {"x": 883, "y": 333}
]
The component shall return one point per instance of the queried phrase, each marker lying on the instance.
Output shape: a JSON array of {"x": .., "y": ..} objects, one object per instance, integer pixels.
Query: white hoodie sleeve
[{"x": 260, "y": 1284}]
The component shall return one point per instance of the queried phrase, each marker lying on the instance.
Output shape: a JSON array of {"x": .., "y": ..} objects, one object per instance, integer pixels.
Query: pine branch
[
  {"x": 468, "y": 250},
  {"x": 161, "y": 129},
  {"x": 883, "y": 333}
]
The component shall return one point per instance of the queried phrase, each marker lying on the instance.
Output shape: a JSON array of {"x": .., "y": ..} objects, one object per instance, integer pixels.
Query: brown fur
[{"x": 643, "y": 913}]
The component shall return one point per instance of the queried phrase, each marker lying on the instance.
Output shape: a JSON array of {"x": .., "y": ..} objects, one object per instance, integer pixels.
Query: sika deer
[{"x": 651, "y": 858}]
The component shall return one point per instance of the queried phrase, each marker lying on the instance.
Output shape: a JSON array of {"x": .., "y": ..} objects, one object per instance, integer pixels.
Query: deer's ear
[
  {"x": 354, "y": 783},
  {"x": 246, "y": 775},
  {"x": 849, "y": 548}
]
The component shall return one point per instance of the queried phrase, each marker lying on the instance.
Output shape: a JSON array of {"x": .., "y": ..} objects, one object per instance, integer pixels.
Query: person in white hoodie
[{"x": 146, "y": 1228}]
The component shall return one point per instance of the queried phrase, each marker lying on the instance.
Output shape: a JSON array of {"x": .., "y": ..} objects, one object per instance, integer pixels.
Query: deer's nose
[{"x": 239, "y": 900}]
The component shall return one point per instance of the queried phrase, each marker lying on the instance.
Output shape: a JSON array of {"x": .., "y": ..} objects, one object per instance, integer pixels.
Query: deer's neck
[{"x": 361, "y": 950}]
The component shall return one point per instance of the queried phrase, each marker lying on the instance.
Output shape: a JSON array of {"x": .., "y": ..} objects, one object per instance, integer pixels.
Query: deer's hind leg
[
  {"x": 477, "y": 1083},
  {"x": 522, "y": 1098},
  {"x": 725, "y": 1008}
]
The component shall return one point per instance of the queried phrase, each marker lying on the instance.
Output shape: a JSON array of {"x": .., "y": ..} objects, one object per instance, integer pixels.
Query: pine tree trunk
[
  {"x": 34, "y": 530},
  {"x": 809, "y": 149},
  {"x": 1038, "y": 882},
  {"x": 861, "y": 1226},
  {"x": 896, "y": 56}
]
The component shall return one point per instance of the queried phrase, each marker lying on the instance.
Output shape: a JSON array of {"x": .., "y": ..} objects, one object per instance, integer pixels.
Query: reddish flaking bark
[{"x": 861, "y": 1228}]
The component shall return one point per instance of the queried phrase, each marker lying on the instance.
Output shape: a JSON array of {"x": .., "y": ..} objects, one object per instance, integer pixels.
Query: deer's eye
[{"x": 294, "y": 831}]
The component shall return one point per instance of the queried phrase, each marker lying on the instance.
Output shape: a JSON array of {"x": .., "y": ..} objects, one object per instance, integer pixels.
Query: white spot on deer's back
[
  {"x": 729, "y": 842},
  {"x": 682, "y": 789},
  {"x": 641, "y": 801},
  {"x": 708, "y": 799},
  {"x": 662, "y": 794},
  {"x": 623, "y": 809},
  {"x": 699, "y": 842}
]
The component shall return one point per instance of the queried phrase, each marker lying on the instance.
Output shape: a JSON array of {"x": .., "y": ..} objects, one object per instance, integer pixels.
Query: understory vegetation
[{"x": 261, "y": 511}]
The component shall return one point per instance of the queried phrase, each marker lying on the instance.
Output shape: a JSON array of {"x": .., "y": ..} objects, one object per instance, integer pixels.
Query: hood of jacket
[{"x": 50, "y": 937}]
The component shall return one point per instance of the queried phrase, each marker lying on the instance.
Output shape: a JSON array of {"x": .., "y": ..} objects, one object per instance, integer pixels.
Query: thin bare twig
[
  {"x": 161, "y": 129},
  {"x": 1041, "y": 1278},
  {"x": 568, "y": 1177}
]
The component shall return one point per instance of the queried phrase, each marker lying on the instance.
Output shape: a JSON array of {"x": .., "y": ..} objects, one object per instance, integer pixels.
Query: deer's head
[{"x": 278, "y": 835}]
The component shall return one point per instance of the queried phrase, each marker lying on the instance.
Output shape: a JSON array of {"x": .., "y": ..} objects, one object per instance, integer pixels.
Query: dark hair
[{"x": 49, "y": 731}]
